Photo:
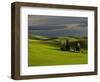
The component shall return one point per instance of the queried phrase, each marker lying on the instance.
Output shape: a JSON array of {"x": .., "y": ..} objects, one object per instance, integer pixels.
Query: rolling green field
[{"x": 44, "y": 53}]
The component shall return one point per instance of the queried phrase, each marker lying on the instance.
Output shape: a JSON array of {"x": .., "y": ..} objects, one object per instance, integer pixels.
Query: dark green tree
[{"x": 67, "y": 45}]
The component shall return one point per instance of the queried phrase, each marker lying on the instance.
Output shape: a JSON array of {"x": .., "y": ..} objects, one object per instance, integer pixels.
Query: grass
[{"x": 41, "y": 54}]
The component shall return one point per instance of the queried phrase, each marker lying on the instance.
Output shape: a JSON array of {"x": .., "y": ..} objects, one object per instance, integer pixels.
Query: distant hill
[{"x": 60, "y": 32}]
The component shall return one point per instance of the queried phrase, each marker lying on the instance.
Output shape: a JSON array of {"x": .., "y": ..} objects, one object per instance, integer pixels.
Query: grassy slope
[{"x": 41, "y": 54}]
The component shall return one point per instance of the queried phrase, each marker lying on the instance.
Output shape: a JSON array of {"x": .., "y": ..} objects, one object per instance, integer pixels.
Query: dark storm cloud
[
  {"x": 38, "y": 20},
  {"x": 54, "y": 26}
]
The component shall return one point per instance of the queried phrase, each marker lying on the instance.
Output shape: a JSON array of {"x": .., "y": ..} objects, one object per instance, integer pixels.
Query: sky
[
  {"x": 54, "y": 20},
  {"x": 57, "y": 25}
]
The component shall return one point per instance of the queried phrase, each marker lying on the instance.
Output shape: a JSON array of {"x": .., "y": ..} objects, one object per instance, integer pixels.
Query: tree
[{"x": 67, "y": 45}]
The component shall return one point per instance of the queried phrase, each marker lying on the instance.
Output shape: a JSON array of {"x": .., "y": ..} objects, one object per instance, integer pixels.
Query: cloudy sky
[{"x": 37, "y": 24}]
